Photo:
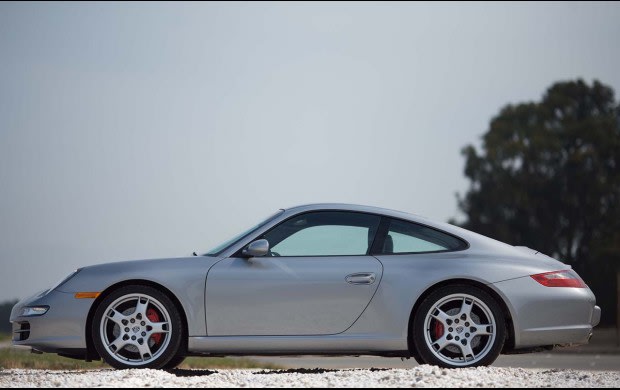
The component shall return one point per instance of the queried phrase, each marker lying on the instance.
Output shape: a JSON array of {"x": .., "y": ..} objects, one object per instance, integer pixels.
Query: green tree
[{"x": 548, "y": 177}]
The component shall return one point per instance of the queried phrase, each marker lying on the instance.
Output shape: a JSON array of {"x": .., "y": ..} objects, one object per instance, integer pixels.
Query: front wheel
[
  {"x": 137, "y": 327},
  {"x": 459, "y": 326}
]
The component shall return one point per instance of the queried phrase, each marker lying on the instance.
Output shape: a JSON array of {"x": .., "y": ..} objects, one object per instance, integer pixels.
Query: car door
[{"x": 317, "y": 279}]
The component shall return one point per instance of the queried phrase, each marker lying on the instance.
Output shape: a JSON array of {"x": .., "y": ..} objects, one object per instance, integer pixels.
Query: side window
[
  {"x": 324, "y": 233},
  {"x": 407, "y": 237}
]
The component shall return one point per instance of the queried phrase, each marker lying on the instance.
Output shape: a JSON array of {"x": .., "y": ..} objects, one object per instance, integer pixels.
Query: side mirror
[{"x": 257, "y": 248}]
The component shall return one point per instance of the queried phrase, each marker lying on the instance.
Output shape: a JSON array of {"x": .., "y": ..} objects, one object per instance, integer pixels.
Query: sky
[{"x": 150, "y": 130}]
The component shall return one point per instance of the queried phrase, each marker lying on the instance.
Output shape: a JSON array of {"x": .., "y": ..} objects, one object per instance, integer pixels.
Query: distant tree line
[
  {"x": 5, "y": 315},
  {"x": 548, "y": 177}
]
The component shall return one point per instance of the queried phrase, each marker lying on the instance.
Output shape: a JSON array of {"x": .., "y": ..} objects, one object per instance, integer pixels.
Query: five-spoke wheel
[
  {"x": 138, "y": 327},
  {"x": 459, "y": 326}
]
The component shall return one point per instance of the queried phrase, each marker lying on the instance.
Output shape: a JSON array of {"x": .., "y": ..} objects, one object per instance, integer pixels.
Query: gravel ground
[{"x": 421, "y": 376}]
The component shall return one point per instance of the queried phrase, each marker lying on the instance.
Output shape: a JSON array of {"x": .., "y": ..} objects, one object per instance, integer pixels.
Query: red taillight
[{"x": 566, "y": 278}]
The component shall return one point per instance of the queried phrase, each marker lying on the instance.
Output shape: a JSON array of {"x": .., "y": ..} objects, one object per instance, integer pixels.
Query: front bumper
[{"x": 60, "y": 330}]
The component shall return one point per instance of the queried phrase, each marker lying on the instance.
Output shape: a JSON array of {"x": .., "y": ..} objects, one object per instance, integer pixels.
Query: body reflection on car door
[{"x": 317, "y": 280}]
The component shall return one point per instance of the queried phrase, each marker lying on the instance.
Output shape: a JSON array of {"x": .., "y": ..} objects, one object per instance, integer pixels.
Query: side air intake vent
[{"x": 21, "y": 331}]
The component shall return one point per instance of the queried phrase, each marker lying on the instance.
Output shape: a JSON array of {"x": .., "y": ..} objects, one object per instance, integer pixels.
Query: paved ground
[{"x": 601, "y": 354}]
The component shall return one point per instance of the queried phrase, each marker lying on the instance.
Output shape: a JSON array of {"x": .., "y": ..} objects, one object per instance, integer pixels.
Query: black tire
[
  {"x": 174, "y": 363},
  {"x": 416, "y": 356},
  {"x": 489, "y": 348},
  {"x": 413, "y": 351},
  {"x": 166, "y": 355}
]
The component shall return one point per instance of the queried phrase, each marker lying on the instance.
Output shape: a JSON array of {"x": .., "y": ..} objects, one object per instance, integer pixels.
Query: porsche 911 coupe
[{"x": 323, "y": 279}]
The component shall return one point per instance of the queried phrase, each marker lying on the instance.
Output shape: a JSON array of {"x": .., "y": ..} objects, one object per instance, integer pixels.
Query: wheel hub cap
[
  {"x": 135, "y": 329},
  {"x": 460, "y": 329}
]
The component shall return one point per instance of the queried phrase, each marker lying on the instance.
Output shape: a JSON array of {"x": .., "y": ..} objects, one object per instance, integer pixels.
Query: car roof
[{"x": 354, "y": 207}]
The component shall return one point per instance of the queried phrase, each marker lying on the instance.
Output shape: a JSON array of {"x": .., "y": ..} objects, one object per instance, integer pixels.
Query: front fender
[{"x": 184, "y": 277}]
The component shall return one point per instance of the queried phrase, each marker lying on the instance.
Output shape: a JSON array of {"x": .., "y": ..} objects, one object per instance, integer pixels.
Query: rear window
[{"x": 408, "y": 237}]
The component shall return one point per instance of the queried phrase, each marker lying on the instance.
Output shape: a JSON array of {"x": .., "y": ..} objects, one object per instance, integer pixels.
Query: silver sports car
[{"x": 325, "y": 279}]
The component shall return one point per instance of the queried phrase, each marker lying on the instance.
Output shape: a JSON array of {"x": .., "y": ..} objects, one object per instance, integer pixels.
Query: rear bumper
[
  {"x": 596, "y": 316},
  {"x": 544, "y": 316},
  {"x": 59, "y": 330}
]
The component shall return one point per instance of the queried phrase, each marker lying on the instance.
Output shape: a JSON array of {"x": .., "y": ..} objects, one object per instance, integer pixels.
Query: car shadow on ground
[
  {"x": 184, "y": 373},
  {"x": 179, "y": 372}
]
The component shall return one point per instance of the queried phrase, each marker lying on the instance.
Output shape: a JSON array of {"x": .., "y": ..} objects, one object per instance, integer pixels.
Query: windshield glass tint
[
  {"x": 220, "y": 248},
  {"x": 326, "y": 233}
]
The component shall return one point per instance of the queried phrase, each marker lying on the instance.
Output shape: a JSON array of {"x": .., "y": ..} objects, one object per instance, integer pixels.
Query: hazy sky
[{"x": 152, "y": 130}]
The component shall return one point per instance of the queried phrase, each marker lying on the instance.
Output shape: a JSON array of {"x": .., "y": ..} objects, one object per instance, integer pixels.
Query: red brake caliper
[
  {"x": 152, "y": 315},
  {"x": 438, "y": 329}
]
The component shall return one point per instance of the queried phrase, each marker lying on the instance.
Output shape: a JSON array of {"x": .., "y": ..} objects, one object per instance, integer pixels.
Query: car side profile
[{"x": 322, "y": 279}]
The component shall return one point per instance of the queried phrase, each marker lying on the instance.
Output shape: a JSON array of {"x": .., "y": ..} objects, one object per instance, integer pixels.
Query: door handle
[{"x": 361, "y": 278}]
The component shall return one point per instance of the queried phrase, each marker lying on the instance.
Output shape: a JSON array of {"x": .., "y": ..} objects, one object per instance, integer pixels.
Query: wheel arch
[
  {"x": 91, "y": 351},
  {"x": 510, "y": 330}
]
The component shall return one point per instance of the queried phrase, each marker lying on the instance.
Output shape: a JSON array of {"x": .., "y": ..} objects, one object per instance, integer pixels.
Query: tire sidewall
[
  {"x": 176, "y": 336},
  {"x": 418, "y": 331},
  {"x": 174, "y": 362}
]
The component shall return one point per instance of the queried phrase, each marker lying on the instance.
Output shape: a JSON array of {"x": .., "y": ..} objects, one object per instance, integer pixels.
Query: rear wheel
[
  {"x": 137, "y": 327},
  {"x": 459, "y": 326},
  {"x": 174, "y": 363}
]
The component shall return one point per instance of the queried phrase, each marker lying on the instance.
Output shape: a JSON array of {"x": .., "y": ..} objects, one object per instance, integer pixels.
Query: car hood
[{"x": 98, "y": 277}]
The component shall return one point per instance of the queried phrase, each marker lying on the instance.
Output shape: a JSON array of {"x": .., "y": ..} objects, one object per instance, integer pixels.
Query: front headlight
[{"x": 34, "y": 311}]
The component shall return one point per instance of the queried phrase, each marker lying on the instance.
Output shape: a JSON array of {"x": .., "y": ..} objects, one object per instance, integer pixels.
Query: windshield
[{"x": 220, "y": 248}]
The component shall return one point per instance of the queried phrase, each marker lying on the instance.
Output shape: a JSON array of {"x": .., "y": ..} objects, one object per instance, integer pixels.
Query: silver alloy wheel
[
  {"x": 127, "y": 333},
  {"x": 462, "y": 321}
]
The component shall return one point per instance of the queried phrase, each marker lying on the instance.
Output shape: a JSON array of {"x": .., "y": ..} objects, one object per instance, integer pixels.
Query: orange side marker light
[{"x": 87, "y": 295}]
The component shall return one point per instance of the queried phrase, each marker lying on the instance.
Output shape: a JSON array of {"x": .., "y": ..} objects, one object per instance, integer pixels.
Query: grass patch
[
  {"x": 18, "y": 358},
  {"x": 5, "y": 337}
]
